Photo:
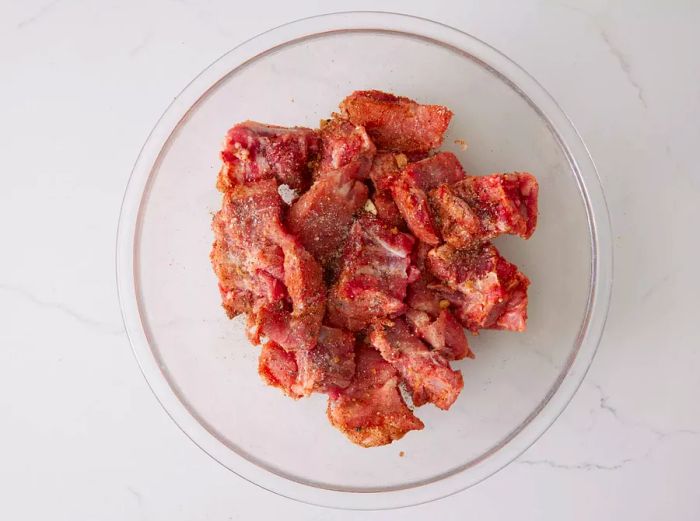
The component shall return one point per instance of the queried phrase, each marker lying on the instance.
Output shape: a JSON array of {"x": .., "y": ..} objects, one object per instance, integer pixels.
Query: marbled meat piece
[
  {"x": 371, "y": 411},
  {"x": 419, "y": 296},
  {"x": 438, "y": 169},
  {"x": 248, "y": 263},
  {"x": 456, "y": 221},
  {"x": 278, "y": 368},
  {"x": 410, "y": 192},
  {"x": 385, "y": 168},
  {"x": 426, "y": 372},
  {"x": 443, "y": 333},
  {"x": 412, "y": 203},
  {"x": 321, "y": 218},
  {"x": 295, "y": 323},
  {"x": 327, "y": 368},
  {"x": 264, "y": 271},
  {"x": 254, "y": 151},
  {"x": 483, "y": 289},
  {"x": 376, "y": 269},
  {"x": 387, "y": 210},
  {"x": 396, "y": 123},
  {"x": 346, "y": 146},
  {"x": 502, "y": 203}
]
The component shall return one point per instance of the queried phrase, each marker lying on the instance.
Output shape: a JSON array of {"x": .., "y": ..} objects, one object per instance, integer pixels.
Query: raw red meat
[
  {"x": 248, "y": 263},
  {"x": 330, "y": 366},
  {"x": 254, "y": 151},
  {"x": 371, "y": 412},
  {"x": 327, "y": 368},
  {"x": 410, "y": 188},
  {"x": 427, "y": 373},
  {"x": 483, "y": 289},
  {"x": 264, "y": 271},
  {"x": 298, "y": 327},
  {"x": 419, "y": 296},
  {"x": 386, "y": 209},
  {"x": 385, "y": 168},
  {"x": 347, "y": 146},
  {"x": 412, "y": 203},
  {"x": 444, "y": 334},
  {"x": 376, "y": 268},
  {"x": 345, "y": 301},
  {"x": 396, "y": 123},
  {"x": 458, "y": 224},
  {"x": 429, "y": 173},
  {"x": 322, "y": 217},
  {"x": 278, "y": 368},
  {"x": 503, "y": 203}
]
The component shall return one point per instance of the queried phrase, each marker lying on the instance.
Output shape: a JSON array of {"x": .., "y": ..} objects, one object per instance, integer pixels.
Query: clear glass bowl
[{"x": 200, "y": 365}]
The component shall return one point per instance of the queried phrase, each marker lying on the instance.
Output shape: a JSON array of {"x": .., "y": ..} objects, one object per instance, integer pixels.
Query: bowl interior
[{"x": 206, "y": 358}]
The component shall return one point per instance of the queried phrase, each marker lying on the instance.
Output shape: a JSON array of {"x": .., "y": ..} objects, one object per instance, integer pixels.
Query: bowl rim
[{"x": 590, "y": 189}]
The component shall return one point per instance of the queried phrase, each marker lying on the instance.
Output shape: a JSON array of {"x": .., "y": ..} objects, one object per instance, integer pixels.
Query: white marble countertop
[{"x": 82, "y": 84}]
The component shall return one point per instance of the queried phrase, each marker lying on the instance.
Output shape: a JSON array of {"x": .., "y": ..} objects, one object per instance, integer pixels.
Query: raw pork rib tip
[
  {"x": 367, "y": 279},
  {"x": 426, "y": 372},
  {"x": 397, "y": 123},
  {"x": 376, "y": 269},
  {"x": 370, "y": 411},
  {"x": 410, "y": 189},
  {"x": 327, "y": 368},
  {"x": 254, "y": 151}
]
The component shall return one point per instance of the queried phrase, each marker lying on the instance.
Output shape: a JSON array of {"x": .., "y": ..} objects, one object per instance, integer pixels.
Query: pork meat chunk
[
  {"x": 264, "y": 271},
  {"x": 371, "y": 411},
  {"x": 396, "y": 123},
  {"x": 346, "y": 146},
  {"x": 411, "y": 187},
  {"x": 254, "y": 151},
  {"x": 327, "y": 368},
  {"x": 483, "y": 289},
  {"x": 426, "y": 372},
  {"x": 330, "y": 366},
  {"x": 443, "y": 333},
  {"x": 247, "y": 261},
  {"x": 321, "y": 218},
  {"x": 484, "y": 207},
  {"x": 376, "y": 269}
]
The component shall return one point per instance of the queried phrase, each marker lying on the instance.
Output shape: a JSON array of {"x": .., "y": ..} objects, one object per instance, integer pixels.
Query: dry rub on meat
[
  {"x": 327, "y": 368},
  {"x": 371, "y": 412},
  {"x": 385, "y": 168},
  {"x": 322, "y": 217},
  {"x": 411, "y": 187},
  {"x": 255, "y": 151},
  {"x": 443, "y": 333},
  {"x": 480, "y": 208},
  {"x": 426, "y": 372},
  {"x": 263, "y": 270},
  {"x": 345, "y": 146},
  {"x": 376, "y": 269},
  {"x": 245, "y": 256},
  {"x": 483, "y": 289},
  {"x": 367, "y": 280},
  {"x": 396, "y": 123}
]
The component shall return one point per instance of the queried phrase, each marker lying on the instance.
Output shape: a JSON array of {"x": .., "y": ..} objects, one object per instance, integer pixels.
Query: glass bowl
[{"x": 200, "y": 365}]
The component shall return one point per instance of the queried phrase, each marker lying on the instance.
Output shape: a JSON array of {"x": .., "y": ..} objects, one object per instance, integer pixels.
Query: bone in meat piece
[
  {"x": 396, "y": 123},
  {"x": 254, "y": 151},
  {"x": 371, "y": 411}
]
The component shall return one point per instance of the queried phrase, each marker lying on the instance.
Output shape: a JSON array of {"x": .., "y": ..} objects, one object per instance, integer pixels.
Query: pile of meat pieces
[{"x": 367, "y": 278}]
